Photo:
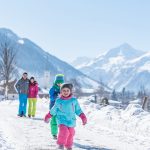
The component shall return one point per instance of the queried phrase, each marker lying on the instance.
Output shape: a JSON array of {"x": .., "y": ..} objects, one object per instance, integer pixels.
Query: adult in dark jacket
[{"x": 22, "y": 87}]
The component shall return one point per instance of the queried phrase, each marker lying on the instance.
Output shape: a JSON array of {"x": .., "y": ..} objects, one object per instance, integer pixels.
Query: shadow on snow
[{"x": 88, "y": 147}]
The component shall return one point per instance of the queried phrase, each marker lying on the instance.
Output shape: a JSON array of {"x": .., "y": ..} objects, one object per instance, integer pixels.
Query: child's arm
[
  {"x": 83, "y": 118},
  {"x": 53, "y": 110},
  {"x": 51, "y": 94},
  {"x": 36, "y": 89},
  {"x": 47, "y": 117},
  {"x": 80, "y": 113},
  {"x": 51, "y": 113}
]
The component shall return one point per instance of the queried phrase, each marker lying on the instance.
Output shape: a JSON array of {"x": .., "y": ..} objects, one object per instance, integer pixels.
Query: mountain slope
[
  {"x": 120, "y": 67},
  {"x": 35, "y": 60},
  {"x": 136, "y": 73}
]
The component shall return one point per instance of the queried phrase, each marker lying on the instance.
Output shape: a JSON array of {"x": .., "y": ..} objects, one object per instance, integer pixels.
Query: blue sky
[{"x": 72, "y": 28}]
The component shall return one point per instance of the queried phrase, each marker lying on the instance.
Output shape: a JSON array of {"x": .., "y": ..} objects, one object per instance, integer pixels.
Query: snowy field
[{"x": 108, "y": 128}]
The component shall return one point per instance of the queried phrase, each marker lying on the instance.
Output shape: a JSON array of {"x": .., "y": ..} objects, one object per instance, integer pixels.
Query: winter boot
[
  {"x": 61, "y": 147},
  {"x": 55, "y": 137},
  {"x": 69, "y": 149},
  {"x": 19, "y": 115},
  {"x": 29, "y": 116}
]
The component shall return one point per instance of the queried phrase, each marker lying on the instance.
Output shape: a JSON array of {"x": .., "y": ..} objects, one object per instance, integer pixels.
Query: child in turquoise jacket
[{"x": 65, "y": 109}]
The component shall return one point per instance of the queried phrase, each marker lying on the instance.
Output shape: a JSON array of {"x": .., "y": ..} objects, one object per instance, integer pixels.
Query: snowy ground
[{"x": 107, "y": 128}]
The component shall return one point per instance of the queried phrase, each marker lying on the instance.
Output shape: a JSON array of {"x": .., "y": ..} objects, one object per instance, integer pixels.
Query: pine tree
[
  {"x": 123, "y": 95},
  {"x": 114, "y": 95}
]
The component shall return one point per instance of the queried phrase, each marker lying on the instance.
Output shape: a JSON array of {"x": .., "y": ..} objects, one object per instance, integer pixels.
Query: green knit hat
[{"x": 59, "y": 79}]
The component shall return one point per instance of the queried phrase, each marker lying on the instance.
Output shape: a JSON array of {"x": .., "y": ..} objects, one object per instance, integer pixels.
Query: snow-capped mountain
[
  {"x": 120, "y": 67},
  {"x": 136, "y": 73},
  {"x": 80, "y": 61},
  {"x": 33, "y": 59}
]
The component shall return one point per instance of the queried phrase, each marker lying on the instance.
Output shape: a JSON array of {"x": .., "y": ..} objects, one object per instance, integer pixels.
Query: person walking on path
[
  {"x": 54, "y": 94},
  {"x": 32, "y": 97},
  {"x": 22, "y": 87},
  {"x": 65, "y": 109}
]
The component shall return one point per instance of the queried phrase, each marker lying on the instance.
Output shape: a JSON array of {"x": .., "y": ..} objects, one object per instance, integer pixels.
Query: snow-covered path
[
  {"x": 28, "y": 134},
  {"x": 33, "y": 134}
]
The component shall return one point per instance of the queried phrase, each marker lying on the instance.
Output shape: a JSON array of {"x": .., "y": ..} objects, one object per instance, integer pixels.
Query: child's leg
[
  {"x": 63, "y": 135},
  {"x": 69, "y": 141},
  {"x": 34, "y": 100},
  {"x": 54, "y": 127},
  {"x": 30, "y": 106}
]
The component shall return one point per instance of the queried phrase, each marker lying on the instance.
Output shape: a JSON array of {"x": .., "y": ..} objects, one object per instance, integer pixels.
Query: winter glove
[
  {"x": 47, "y": 117},
  {"x": 83, "y": 118}
]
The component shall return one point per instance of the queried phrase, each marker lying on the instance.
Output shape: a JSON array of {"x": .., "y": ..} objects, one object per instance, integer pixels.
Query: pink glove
[
  {"x": 83, "y": 118},
  {"x": 47, "y": 117}
]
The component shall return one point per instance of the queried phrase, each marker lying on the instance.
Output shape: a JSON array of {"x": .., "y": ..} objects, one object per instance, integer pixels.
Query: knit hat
[
  {"x": 59, "y": 79},
  {"x": 67, "y": 85},
  {"x": 25, "y": 73},
  {"x": 32, "y": 78}
]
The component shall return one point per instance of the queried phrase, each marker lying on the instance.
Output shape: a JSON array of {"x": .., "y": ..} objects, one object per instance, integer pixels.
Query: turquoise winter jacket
[{"x": 66, "y": 111}]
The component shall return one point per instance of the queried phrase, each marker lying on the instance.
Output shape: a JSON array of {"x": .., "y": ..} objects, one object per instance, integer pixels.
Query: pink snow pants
[{"x": 65, "y": 136}]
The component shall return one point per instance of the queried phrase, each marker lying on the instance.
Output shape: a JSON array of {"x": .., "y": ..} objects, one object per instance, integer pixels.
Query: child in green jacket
[{"x": 54, "y": 93}]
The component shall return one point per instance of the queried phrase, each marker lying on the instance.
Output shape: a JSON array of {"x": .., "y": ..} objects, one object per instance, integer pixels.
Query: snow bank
[
  {"x": 136, "y": 120},
  {"x": 132, "y": 110},
  {"x": 137, "y": 101},
  {"x": 107, "y": 128},
  {"x": 133, "y": 120}
]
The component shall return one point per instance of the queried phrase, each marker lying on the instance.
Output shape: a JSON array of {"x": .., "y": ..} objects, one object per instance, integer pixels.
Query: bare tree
[
  {"x": 114, "y": 95},
  {"x": 124, "y": 95},
  {"x": 100, "y": 91},
  {"x": 8, "y": 52}
]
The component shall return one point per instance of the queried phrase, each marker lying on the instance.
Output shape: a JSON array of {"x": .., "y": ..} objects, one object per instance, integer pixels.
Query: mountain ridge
[
  {"x": 33, "y": 59},
  {"x": 119, "y": 67}
]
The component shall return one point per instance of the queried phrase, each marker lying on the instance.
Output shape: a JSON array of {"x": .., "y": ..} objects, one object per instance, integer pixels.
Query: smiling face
[
  {"x": 25, "y": 76},
  {"x": 31, "y": 80},
  {"x": 65, "y": 92}
]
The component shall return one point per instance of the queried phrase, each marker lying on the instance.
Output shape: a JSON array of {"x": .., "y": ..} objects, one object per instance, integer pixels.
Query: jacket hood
[
  {"x": 34, "y": 83},
  {"x": 66, "y": 98}
]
